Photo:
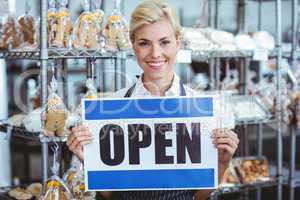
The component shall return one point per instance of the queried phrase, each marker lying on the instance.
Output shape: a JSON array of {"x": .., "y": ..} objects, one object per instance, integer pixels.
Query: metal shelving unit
[
  {"x": 43, "y": 54},
  {"x": 64, "y": 54},
  {"x": 241, "y": 187},
  {"x": 244, "y": 72}
]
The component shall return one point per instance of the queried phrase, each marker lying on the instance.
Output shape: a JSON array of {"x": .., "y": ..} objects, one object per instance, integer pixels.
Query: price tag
[
  {"x": 184, "y": 56},
  {"x": 260, "y": 54}
]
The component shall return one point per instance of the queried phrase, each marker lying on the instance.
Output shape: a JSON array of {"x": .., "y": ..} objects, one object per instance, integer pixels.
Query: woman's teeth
[{"x": 156, "y": 64}]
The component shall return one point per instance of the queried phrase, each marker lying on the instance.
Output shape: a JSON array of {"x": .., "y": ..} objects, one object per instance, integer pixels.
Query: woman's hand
[
  {"x": 226, "y": 141},
  {"x": 79, "y": 136}
]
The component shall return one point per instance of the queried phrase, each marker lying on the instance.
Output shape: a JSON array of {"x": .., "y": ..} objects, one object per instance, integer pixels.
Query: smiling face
[{"x": 156, "y": 46}]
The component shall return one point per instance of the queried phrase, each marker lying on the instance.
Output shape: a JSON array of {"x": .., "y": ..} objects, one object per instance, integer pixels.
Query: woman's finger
[
  {"x": 83, "y": 140},
  {"x": 77, "y": 134},
  {"x": 80, "y": 128},
  {"x": 226, "y": 148},
  {"x": 223, "y": 133},
  {"x": 227, "y": 141}
]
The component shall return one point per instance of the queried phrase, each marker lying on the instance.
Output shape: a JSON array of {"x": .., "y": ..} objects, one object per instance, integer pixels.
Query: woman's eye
[
  {"x": 165, "y": 42},
  {"x": 142, "y": 44}
]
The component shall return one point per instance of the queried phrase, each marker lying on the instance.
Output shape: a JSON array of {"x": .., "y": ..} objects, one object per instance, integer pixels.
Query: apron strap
[{"x": 131, "y": 89}]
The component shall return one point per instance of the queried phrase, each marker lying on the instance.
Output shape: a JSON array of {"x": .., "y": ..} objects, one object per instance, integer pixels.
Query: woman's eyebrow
[
  {"x": 164, "y": 38},
  {"x": 142, "y": 39}
]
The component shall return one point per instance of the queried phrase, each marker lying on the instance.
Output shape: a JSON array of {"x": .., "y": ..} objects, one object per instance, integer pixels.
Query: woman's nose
[{"x": 156, "y": 51}]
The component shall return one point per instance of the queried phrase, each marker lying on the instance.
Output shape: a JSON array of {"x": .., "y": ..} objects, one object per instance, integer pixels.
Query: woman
[{"x": 155, "y": 34}]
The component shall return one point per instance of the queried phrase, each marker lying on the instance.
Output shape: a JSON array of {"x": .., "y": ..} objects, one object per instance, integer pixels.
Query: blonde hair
[{"x": 151, "y": 11}]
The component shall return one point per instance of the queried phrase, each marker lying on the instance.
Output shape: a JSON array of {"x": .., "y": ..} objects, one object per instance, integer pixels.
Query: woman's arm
[
  {"x": 226, "y": 141},
  {"x": 79, "y": 137}
]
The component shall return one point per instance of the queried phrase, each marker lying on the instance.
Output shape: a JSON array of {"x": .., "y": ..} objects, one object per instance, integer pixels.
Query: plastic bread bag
[
  {"x": 91, "y": 89},
  {"x": 55, "y": 188},
  {"x": 70, "y": 173},
  {"x": 87, "y": 30},
  {"x": 74, "y": 178},
  {"x": 195, "y": 40},
  {"x": 75, "y": 117},
  {"x": 55, "y": 113},
  {"x": 11, "y": 36},
  {"x": 51, "y": 24},
  {"x": 26, "y": 26},
  {"x": 117, "y": 30},
  {"x": 63, "y": 26},
  {"x": 252, "y": 169},
  {"x": 98, "y": 12},
  {"x": 264, "y": 40}
]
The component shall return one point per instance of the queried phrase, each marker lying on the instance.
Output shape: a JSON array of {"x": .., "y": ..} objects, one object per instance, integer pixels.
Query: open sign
[{"x": 151, "y": 143}]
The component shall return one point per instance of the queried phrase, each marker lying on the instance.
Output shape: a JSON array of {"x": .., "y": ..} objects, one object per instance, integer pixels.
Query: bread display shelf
[
  {"x": 34, "y": 54},
  {"x": 257, "y": 114},
  {"x": 205, "y": 55},
  {"x": 22, "y": 133},
  {"x": 241, "y": 187},
  {"x": 64, "y": 53}
]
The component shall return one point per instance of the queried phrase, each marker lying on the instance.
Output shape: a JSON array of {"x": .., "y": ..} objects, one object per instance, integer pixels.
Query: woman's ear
[{"x": 179, "y": 42}]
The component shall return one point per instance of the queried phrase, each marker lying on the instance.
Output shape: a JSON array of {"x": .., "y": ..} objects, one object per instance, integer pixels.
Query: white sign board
[{"x": 151, "y": 143}]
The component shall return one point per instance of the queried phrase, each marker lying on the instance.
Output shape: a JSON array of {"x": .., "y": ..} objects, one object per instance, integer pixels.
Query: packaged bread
[
  {"x": 55, "y": 189},
  {"x": 117, "y": 30},
  {"x": 294, "y": 108},
  {"x": 26, "y": 26},
  {"x": 264, "y": 40},
  {"x": 195, "y": 40},
  {"x": 63, "y": 27},
  {"x": 55, "y": 113},
  {"x": 87, "y": 30},
  {"x": 224, "y": 40},
  {"x": 51, "y": 23},
  {"x": 252, "y": 169},
  {"x": 74, "y": 178},
  {"x": 11, "y": 36},
  {"x": 98, "y": 12},
  {"x": 244, "y": 42}
]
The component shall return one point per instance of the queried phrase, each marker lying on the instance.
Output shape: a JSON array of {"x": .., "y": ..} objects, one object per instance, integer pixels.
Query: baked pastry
[
  {"x": 224, "y": 40},
  {"x": 244, "y": 42},
  {"x": 74, "y": 179},
  {"x": 55, "y": 113},
  {"x": 264, "y": 40},
  {"x": 63, "y": 28},
  {"x": 51, "y": 27},
  {"x": 26, "y": 26},
  {"x": 252, "y": 170},
  {"x": 193, "y": 39},
  {"x": 59, "y": 25},
  {"x": 87, "y": 31},
  {"x": 11, "y": 36},
  {"x": 55, "y": 117},
  {"x": 20, "y": 194},
  {"x": 35, "y": 189},
  {"x": 117, "y": 33}
]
